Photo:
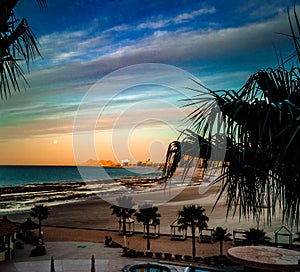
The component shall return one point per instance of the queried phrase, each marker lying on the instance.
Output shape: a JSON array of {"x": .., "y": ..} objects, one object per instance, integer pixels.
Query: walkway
[{"x": 69, "y": 257}]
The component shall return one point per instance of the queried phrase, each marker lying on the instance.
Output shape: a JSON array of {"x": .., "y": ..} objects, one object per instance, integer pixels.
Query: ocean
[
  {"x": 21, "y": 187},
  {"x": 23, "y": 175}
]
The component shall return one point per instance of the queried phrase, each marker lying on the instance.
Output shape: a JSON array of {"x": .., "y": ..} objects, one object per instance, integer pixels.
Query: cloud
[
  {"x": 36, "y": 129},
  {"x": 257, "y": 9},
  {"x": 267, "y": 10},
  {"x": 203, "y": 50},
  {"x": 189, "y": 16},
  {"x": 73, "y": 45},
  {"x": 155, "y": 23},
  {"x": 119, "y": 28},
  {"x": 87, "y": 49},
  {"x": 75, "y": 59},
  {"x": 50, "y": 121},
  {"x": 80, "y": 55},
  {"x": 159, "y": 22}
]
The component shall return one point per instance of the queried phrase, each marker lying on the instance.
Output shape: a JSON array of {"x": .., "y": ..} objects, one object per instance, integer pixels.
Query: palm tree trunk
[
  {"x": 193, "y": 242},
  {"x": 221, "y": 247},
  {"x": 124, "y": 230},
  {"x": 40, "y": 228},
  {"x": 148, "y": 237}
]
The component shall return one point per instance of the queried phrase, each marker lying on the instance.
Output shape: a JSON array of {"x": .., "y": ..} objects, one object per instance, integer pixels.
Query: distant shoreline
[{"x": 81, "y": 165}]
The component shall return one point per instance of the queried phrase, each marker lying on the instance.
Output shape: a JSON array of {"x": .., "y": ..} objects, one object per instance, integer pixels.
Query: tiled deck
[{"x": 69, "y": 257}]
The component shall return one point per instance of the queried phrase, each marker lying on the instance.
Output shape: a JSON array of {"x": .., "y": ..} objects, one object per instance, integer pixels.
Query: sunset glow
[{"x": 218, "y": 44}]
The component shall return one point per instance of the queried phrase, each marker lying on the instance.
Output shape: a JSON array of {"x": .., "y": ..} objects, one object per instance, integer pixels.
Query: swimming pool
[
  {"x": 148, "y": 267},
  {"x": 192, "y": 268}
]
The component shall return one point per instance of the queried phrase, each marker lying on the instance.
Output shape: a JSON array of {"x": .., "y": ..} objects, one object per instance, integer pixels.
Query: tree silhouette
[
  {"x": 123, "y": 210},
  {"x": 17, "y": 42},
  {"x": 221, "y": 235},
  {"x": 147, "y": 214},
  {"x": 193, "y": 216},
  {"x": 41, "y": 212},
  {"x": 256, "y": 236},
  {"x": 260, "y": 125}
]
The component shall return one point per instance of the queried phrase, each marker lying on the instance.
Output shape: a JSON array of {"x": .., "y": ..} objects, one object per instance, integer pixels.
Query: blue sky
[{"x": 221, "y": 43}]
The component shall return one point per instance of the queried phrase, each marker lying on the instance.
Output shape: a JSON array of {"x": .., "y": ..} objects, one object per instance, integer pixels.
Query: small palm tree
[
  {"x": 123, "y": 210},
  {"x": 221, "y": 235},
  {"x": 146, "y": 214},
  {"x": 193, "y": 216},
  {"x": 41, "y": 212},
  {"x": 255, "y": 236}
]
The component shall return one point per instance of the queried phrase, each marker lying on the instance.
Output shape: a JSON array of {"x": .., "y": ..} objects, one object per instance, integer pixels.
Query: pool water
[
  {"x": 149, "y": 267},
  {"x": 195, "y": 269}
]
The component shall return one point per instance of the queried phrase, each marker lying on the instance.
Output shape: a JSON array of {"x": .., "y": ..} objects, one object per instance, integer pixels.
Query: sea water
[
  {"x": 23, "y": 175},
  {"x": 22, "y": 187}
]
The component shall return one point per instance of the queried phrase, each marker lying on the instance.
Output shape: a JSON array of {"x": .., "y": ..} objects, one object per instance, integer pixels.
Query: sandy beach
[
  {"x": 91, "y": 220},
  {"x": 137, "y": 242}
]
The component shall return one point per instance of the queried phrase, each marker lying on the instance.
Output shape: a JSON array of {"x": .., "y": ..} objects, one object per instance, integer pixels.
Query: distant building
[
  {"x": 141, "y": 163},
  {"x": 148, "y": 163},
  {"x": 8, "y": 235},
  {"x": 125, "y": 163}
]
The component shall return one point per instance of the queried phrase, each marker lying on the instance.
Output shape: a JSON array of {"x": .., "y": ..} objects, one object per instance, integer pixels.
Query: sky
[{"x": 114, "y": 75}]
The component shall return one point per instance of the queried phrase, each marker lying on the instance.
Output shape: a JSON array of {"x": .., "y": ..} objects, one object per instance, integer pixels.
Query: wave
[{"x": 21, "y": 198}]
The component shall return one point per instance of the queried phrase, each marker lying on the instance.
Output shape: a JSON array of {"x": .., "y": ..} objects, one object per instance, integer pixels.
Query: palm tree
[
  {"x": 17, "y": 42},
  {"x": 221, "y": 235},
  {"x": 41, "y": 212},
  {"x": 147, "y": 214},
  {"x": 193, "y": 216},
  {"x": 256, "y": 236},
  {"x": 261, "y": 125},
  {"x": 123, "y": 210}
]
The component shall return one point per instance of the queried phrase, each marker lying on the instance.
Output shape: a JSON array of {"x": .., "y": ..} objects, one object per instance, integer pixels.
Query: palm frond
[
  {"x": 262, "y": 129},
  {"x": 17, "y": 42}
]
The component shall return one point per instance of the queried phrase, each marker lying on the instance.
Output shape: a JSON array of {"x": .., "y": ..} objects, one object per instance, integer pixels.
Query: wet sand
[
  {"x": 95, "y": 213},
  {"x": 91, "y": 220}
]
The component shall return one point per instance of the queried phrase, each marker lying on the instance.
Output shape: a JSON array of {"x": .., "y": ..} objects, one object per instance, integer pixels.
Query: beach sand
[
  {"x": 90, "y": 220},
  {"x": 137, "y": 242}
]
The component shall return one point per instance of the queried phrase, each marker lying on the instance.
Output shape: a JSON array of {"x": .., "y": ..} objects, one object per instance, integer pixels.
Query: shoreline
[
  {"x": 95, "y": 213},
  {"x": 90, "y": 220},
  {"x": 24, "y": 197}
]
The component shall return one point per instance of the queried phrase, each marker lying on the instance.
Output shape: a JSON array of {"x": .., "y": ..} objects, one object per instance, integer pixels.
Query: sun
[{"x": 55, "y": 142}]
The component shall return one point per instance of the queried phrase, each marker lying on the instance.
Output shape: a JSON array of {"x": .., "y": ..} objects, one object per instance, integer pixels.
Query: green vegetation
[
  {"x": 221, "y": 235},
  {"x": 123, "y": 210},
  {"x": 147, "y": 214},
  {"x": 41, "y": 212},
  {"x": 17, "y": 43},
  {"x": 193, "y": 216},
  {"x": 256, "y": 236},
  {"x": 260, "y": 124}
]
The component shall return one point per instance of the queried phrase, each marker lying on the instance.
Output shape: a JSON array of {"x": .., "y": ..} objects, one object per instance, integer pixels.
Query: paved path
[{"x": 69, "y": 257}]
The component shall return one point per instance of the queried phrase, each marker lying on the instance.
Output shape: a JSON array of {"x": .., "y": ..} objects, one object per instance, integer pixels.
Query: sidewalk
[{"x": 70, "y": 257}]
